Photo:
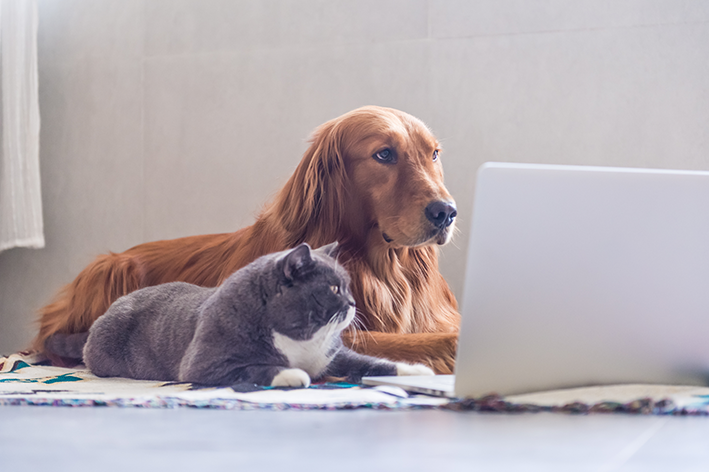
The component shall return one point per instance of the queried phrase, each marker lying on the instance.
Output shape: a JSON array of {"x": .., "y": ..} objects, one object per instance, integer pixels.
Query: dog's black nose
[{"x": 441, "y": 213}]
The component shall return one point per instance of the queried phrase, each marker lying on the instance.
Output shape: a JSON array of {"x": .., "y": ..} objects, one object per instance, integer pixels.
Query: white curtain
[{"x": 20, "y": 197}]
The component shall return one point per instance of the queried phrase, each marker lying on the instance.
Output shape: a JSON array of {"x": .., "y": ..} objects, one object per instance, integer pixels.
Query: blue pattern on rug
[{"x": 21, "y": 374}]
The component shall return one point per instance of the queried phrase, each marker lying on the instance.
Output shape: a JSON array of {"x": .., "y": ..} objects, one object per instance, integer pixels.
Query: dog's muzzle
[{"x": 441, "y": 214}]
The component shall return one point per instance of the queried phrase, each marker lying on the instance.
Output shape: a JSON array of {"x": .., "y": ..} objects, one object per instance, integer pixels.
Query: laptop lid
[{"x": 585, "y": 275}]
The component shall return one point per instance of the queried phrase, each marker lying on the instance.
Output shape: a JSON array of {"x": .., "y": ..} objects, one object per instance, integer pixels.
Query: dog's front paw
[
  {"x": 291, "y": 378},
  {"x": 415, "y": 369}
]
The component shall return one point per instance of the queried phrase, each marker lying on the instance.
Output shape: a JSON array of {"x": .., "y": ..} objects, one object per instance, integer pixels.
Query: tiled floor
[{"x": 105, "y": 439}]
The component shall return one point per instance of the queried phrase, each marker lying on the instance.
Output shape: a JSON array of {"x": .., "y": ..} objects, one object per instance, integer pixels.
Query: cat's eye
[
  {"x": 435, "y": 155},
  {"x": 335, "y": 289}
]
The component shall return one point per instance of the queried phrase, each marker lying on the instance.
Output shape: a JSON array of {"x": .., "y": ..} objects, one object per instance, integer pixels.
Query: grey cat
[{"x": 275, "y": 322}]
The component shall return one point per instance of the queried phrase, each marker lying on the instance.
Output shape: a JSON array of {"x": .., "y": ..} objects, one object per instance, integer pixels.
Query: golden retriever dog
[{"x": 370, "y": 179}]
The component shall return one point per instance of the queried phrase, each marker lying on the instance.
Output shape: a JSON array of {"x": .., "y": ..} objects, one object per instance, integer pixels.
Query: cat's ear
[
  {"x": 296, "y": 260},
  {"x": 330, "y": 250}
]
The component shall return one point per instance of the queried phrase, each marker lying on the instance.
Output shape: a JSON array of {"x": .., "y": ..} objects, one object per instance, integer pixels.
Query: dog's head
[{"x": 376, "y": 170}]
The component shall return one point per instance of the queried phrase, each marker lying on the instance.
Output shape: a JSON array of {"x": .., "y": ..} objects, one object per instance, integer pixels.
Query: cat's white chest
[{"x": 310, "y": 355}]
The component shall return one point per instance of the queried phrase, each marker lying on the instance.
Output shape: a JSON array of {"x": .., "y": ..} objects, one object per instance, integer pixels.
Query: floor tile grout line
[{"x": 629, "y": 451}]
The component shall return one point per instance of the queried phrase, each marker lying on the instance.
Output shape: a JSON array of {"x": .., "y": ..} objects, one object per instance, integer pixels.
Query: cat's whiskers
[
  {"x": 355, "y": 326},
  {"x": 357, "y": 321},
  {"x": 336, "y": 325}
]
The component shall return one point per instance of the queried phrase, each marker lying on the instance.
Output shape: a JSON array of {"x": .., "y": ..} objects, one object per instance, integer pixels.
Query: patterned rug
[{"x": 25, "y": 381}]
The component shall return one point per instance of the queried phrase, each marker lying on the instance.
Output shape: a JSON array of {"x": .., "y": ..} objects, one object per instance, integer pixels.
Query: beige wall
[{"x": 166, "y": 118}]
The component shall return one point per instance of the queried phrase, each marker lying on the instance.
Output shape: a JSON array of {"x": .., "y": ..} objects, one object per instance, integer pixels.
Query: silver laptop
[{"x": 581, "y": 276}]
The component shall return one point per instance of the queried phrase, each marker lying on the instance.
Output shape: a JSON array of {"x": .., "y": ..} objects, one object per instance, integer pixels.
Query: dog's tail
[
  {"x": 67, "y": 345},
  {"x": 80, "y": 303}
]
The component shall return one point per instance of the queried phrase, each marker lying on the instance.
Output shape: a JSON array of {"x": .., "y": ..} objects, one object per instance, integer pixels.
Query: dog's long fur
[{"x": 339, "y": 192}]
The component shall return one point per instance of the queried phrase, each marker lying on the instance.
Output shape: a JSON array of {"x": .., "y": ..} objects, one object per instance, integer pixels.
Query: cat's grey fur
[{"x": 275, "y": 322}]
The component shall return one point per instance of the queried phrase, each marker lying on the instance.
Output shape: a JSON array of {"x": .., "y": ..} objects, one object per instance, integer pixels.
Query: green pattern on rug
[{"x": 21, "y": 375}]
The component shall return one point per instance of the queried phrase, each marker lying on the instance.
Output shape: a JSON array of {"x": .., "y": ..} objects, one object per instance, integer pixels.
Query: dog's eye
[
  {"x": 435, "y": 155},
  {"x": 385, "y": 155},
  {"x": 335, "y": 289}
]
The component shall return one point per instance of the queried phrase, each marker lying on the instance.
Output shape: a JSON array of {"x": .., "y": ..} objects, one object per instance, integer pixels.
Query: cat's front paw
[
  {"x": 415, "y": 369},
  {"x": 291, "y": 378}
]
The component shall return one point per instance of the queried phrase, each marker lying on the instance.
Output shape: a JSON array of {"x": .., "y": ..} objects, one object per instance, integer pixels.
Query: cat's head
[{"x": 311, "y": 291}]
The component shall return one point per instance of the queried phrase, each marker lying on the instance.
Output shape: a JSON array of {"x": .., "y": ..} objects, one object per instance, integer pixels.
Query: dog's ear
[{"x": 310, "y": 206}]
